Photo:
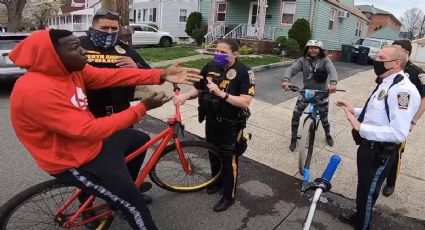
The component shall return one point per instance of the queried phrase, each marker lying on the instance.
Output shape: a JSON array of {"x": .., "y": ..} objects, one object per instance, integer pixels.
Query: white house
[
  {"x": 168, "y": 15},
  {"x": 77, "y": 17},
  {"x": 418, "y": 50}
]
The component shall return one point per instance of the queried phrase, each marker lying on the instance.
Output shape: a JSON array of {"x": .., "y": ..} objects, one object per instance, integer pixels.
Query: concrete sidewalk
[{"x": 270, "y": 126}]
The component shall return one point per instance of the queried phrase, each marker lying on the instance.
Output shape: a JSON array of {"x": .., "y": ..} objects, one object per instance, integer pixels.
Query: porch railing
[
  {"x": 214, "y": 34},
  {"x": 250, "y": 32}
]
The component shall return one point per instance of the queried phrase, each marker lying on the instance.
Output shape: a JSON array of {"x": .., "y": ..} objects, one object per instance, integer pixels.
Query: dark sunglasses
[{"x": 105, "y": 12}]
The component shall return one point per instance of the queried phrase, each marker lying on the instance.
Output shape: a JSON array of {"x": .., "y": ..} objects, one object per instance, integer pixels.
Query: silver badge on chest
[
  {"x": 119, "y": 49},
  {"x": 231, "y": 74}
]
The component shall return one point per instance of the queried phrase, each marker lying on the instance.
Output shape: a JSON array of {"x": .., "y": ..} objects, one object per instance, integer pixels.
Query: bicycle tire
[
  {"x": 10, "y": 210},
  {"x": 304, "y": 146},
  {"x": 170, "y": 158}
]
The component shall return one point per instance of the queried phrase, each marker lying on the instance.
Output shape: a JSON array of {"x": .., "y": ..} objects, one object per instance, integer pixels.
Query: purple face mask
[{"x": 221, "y": 60}]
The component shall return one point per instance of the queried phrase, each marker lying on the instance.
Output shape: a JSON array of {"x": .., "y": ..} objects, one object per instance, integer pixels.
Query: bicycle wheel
[
  {"x": 168, "y": 172},
  {"x": 35, "y": 208},
  {"x": 306, "y": 144}
]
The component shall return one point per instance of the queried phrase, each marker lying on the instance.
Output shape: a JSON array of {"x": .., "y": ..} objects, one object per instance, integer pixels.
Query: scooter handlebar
[{"x": 330, "y": 169}]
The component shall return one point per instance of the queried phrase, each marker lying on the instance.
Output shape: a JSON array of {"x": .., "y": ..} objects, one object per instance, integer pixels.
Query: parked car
[
  {"x": 147, "y": 35},
  {"x": 374, "y": 44},
  {"x": 8, "y": 41}
]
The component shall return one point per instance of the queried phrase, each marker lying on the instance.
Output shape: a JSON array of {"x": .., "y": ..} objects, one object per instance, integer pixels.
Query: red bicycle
[{"x": 182, "y": 166}]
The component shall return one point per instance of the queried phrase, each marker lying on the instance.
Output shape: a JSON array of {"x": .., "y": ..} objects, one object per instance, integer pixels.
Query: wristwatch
[{"x": 225, "y": 97}]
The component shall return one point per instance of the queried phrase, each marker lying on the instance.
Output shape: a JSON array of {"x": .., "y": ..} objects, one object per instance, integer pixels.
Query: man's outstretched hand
[
  {"x": 155, "y": 100},
  {"x": 181, "y": 75}
]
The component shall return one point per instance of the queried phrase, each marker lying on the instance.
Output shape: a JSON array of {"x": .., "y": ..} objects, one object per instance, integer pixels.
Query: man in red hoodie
[{"x": 50, "y": 116}]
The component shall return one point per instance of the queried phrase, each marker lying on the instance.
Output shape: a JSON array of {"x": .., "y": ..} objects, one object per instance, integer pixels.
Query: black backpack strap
[{"x": 396, "y": 80}]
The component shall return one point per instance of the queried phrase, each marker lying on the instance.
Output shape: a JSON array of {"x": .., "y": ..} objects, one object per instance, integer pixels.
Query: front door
[{"x": 252, "y": 19}]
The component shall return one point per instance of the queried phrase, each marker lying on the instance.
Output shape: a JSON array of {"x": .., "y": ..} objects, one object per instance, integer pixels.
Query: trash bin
[
  {"x": 347, "y": 53},
  {"x": 363, "y": 55}
]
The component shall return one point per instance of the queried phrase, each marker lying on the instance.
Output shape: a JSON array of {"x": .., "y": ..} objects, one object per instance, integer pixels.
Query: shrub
[
  {"x": 288, "y": 46},
  {"x": 193, "y": 21},
  {"x": 292, "y": 48},
  {"x": 198, "y": 35},
  {"x": 300, "y": 31},
  {"x": 245, "y": 50}
]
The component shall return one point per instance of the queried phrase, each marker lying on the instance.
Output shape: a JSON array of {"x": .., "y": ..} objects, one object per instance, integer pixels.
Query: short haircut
[
  {"x": 105, "y": 15},
  {"x": 399, "y": 54},
  {"x": 233, "y": 43},
  {"x": 55, "y": 35},
  {"x": 405, "y": 44}
]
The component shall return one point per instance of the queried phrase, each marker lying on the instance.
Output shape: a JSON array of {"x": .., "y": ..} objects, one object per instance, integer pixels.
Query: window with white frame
[
  {"x": 221, "y": 12},
  {"x": 288, "y": 12},
  {"x": 183, "y": 15},
  {"x": 332, "y": 19},
  {"x": 145, "y": 15},
  {"x": 152, "y": 15},
  {"x": 359, "y": 29}
]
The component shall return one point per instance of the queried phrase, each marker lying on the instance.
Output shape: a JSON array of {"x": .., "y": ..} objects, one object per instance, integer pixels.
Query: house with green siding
[{"x": 334, "y": 22}]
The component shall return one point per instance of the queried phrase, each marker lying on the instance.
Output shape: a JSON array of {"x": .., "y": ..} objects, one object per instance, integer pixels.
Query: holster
[
  {"x": 201, "y": 114},
  {"x": 384, "y": 152}
]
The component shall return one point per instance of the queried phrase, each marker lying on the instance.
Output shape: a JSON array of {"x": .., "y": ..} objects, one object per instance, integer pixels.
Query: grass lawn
[
  {"x": 249, "y": 61},
  {"x": 156, "y": 54}
]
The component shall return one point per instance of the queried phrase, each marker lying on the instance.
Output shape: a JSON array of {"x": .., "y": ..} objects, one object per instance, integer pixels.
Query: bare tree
[
  {"x": 43, "y": 10},
  {"x": 412, "y": 21},
  {"x": 14, "y": 13},
  {"x": 422, "y": 28}
]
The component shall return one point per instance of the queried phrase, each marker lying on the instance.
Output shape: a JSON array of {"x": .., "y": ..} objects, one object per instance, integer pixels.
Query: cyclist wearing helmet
[{"x": 319, "y": 74}]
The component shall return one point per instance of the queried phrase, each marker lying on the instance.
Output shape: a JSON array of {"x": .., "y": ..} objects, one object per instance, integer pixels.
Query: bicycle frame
[
  {"x": 174, "y": 126},
  {"x": 312, "y": 114}
]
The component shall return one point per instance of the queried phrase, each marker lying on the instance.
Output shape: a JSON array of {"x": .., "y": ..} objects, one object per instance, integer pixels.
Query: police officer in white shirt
[{"x": 379, "y": 128}]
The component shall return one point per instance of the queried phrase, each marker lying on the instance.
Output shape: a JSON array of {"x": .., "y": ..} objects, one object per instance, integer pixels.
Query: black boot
[
  {"x": 348, "y": 218},
  {"x": 293, "y": 144},
  {"x": 329, "y": 140},
  {"x": 213, "y": 189},
  {"x": 388, "y": 190},
  {"x": 223, "y": 204}
]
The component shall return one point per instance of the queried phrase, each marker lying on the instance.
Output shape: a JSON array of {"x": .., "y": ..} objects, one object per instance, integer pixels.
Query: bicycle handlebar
[
  {"x": 294, "y": 88},
  {"x": 330, "y": 169}
]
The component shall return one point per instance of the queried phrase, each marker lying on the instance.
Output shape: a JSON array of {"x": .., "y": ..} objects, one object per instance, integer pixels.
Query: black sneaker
[
  {"x": 330, "y": 140},
  {"x": 388, "y": 190},
  {"x": 146, "y": 186},
  {"x": 293, "y": 144}
]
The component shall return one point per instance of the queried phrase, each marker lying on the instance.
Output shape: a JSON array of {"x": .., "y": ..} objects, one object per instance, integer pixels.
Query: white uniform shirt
[{"x": 403, "y": 103}]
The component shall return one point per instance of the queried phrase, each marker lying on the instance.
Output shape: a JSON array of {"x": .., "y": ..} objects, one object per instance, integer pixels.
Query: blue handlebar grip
[{"x": 330, "y": 169}]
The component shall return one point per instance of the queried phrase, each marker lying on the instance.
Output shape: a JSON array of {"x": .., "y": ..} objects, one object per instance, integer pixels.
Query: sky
[{"x": 396, "y": 7}]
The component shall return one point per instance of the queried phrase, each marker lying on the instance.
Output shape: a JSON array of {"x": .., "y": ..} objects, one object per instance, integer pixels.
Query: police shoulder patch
[
  {"x": 251, "y": 77},
  {"x": 422, "y": 78},
  {"x": 403, "y": 99}
]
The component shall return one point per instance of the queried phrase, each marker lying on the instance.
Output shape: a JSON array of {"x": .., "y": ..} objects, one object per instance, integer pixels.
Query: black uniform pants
[
  {"x": 395, "y": 170},
  {"x": 370, "y": 178},
  {"x": 225, "y": 136},
  {"x": 322, "y": 107},
  {"x": 110, "y": 178}
]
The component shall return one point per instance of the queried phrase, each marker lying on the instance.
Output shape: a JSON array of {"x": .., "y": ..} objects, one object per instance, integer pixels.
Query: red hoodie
[{"x": 49, "y": 106}]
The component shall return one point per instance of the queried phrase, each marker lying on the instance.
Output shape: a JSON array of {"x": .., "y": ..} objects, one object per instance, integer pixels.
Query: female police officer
[{"x": 224, "y": 96}]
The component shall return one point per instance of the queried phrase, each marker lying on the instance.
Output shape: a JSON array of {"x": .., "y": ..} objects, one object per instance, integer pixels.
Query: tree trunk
[
  {"x": 14, "y": 14},
  {"x": 123, "y": 10}
]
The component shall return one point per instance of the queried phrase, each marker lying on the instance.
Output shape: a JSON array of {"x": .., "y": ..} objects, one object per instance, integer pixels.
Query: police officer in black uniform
[
  {"x": 105, "y": 50},
  {"x": 417, "y": 76},
  {"x": 224, "y": 96}
]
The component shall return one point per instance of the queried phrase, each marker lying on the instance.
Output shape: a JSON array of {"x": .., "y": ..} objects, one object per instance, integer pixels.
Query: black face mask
[{"x": 379, "y": 67}]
